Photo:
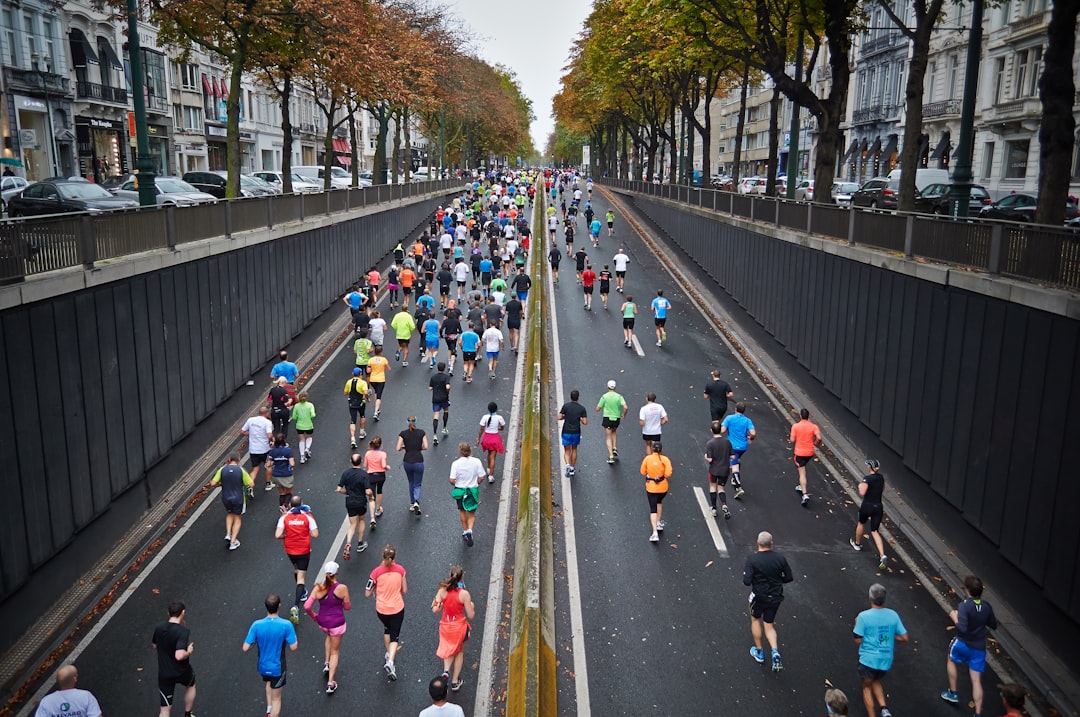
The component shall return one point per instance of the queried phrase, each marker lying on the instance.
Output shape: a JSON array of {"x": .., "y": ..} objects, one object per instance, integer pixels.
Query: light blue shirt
[
  {"x": 738, "y": 429},
  {"x": 878, "y": 629},
  {"x": 470, "y": 340},
  {"x": 660, "y": 305},
  {"x": 270, "y": 635},
  {"x": 285, "y": 368}
]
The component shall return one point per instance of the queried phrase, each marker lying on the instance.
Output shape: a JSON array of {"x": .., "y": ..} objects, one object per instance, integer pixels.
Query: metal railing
[
  {"x": 941, "y": 108},
  {"x": 1034, "y": 252},
  {"x": 94, "y": 91},
  {"x": 37, "y": 245}
]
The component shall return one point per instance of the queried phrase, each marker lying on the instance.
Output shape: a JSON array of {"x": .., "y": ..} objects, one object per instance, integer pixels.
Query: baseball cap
[
  {"x": 611, "y": 384},
  {"x": 330, "y": 568},
  {"x": 356, "y": 371},
  {"x": 873, "y": 464}
]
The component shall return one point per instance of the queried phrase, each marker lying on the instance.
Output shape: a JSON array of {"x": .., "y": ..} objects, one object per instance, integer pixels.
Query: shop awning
[
  {"x": 850, "y": 156},
  {"x": 341, "y": 146},
  {"x": 208, "y": 86},
  {"x": 343, "y": 159},
  {"x": 956, "y": 154},
  {"x": 82, "y": 52},
  {"x": 875, "y": 150},
  {"x": 942, "y": 147},
  {"x": 223, "y": 91},
  {"x": 865, "y": 145},
  {"x": 890, "y": 147},
  {"x": 109, "y": 53},
  {"x": 924, "y": 146}
]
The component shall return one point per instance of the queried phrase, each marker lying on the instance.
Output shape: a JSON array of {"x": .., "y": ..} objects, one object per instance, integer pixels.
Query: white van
[
  {"x": 339, "y": 178},
  {"x": 924, "y": 177}
]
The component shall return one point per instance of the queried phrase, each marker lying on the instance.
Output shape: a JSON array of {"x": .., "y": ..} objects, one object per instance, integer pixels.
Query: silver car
[
  {"x": 300, "y": 185},
  {"x": 842, "y": 191},
  {"x": 170, "y": 191}
]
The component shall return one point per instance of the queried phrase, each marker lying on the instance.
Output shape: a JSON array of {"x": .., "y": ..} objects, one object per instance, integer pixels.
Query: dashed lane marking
[{"x": 710, "y": 522}]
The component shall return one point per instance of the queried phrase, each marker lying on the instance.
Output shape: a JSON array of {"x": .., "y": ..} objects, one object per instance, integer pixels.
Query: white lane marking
[
  {"x": 573, "y": 579},
  {"x": 637, "y": 346},
  {"x": 710, "y": 521},
  {"x": 485, "y": 679}
]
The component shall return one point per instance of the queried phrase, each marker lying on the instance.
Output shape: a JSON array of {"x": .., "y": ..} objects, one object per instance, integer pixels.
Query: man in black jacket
[{"x": 765, "y": 573}]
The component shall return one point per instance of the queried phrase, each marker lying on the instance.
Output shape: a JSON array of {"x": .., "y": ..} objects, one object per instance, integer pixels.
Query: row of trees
[
  {"x": 640, "y": 63},
  {"x": 403, "y": 62}
]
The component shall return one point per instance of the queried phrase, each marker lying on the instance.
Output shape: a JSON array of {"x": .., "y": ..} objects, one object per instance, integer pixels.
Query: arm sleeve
[
  {"x": 748, "y": 573},
  {"x": 787, "y": 577}
]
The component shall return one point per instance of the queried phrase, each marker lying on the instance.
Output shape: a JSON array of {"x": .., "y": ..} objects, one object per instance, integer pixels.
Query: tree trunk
[
  {"x": 378, "y": 174},
  {"x": 1057, "y": 131},
  {"x": 286, "y": 134},
  {"x": 740, "y": 127},
  {"x": 232, "y": 131},
  {"x": 354, "y": 164},
  {"x": 408, "y": 143},
  {"x": 395, "y": 164},
  {"x": 774, "y": 144}
]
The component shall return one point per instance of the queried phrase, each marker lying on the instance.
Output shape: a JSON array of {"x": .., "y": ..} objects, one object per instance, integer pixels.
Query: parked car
[
  {"x": 300, "y": 185},
  {"x": 59, "y": 195},
  {"x": 214, "y": 183},
  {"x": 171, "y": 191},
  {"x": 339, "y": 178},
  {"x": 804, "y": 190},
  {"x": 841, "y": 192},
  {"x": 722, "y": 182},
  {"x": 877, "y": 193},
  {"x": 924, "y": 176},
  {"x": 1020, "y": 208},
  {"x": 9, "y": 187},
  {"x": 752, "y": 185},
  {"x": 938, "y": 199},
  {"x": 781, "y": 187}
]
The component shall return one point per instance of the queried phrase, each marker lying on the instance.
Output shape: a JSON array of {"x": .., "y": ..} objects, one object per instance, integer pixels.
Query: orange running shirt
[{"x": 803, "y": 434}]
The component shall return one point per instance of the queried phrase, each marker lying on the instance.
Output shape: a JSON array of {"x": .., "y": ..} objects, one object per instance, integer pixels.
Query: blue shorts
[
  {"x": 493, "y": 354},
  {"x": 736, "y": 455},
  {"x": 961, "y": 654},
  {"x": 431, "y": 344},
  {"x": 571, "y": 439},
  {"x": 522, "y": 295},
  {"x": 439, "y": 407}
]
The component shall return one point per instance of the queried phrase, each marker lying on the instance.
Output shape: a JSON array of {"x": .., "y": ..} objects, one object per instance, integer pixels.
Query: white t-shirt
[
  {"x": 73, "y": 703},
  {"x": 553, "y": 222},
  {"x": 492, "y": 422},
  {"x": 652, "y": 413},
  {"x": 461, "y": 233},
  {"x": 446, "y": 241},
  {"x": 508, "y": 231},
  {"x": 378, "y": 330},
  {"x": 444, "y": 710},
  {"x": 577, "y": 193},
  {"x": 467, "y": 471},
  {"x": 461, "y": 271},
  {"x": 258, "y": 430},
  {"x": 511, "y": 246},
  {"x": 620, "y": 260},
  {"x": 500, "y": 297},
  {"x": 492, "y": 340}
]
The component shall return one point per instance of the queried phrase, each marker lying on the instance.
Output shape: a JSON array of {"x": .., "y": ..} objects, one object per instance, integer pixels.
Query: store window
[
  {"x": 1016, "y": 158},
  {"x": 988, "y": 160}
]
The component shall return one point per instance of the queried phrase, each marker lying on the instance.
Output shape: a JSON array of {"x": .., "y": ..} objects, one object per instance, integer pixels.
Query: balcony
[
  {"x": 876, "y": 113},
  {"x": 945, "y": 108},
  {"x": 101, "y": 93},
  {"x": 878, "y": 44},
  {"x": 35, "y": 81},
  {"x": 1023, "y": 24},
  {"x": 1023, "y": 114}
]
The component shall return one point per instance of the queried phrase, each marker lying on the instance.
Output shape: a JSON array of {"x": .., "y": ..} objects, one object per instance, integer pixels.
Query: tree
[{"x": 1057, "y": 89}]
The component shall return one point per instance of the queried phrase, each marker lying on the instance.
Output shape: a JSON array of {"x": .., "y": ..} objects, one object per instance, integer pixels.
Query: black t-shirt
[
  {"x": 554, "y": 256},
  {"x": 362, "y": 321},
  {"x": 572, "y": 413},
  {"x": 569, "y": 233},
  {"x": 445, "y": 277},
  {"x": 875, "y": 486},
  {"x": 581, "y": 257},
  {"x": 279, "y": 397},
  {"x": 717, "y": 392},
  {"x": 413, "y": 441},
  {"x": 451, "y": 326},
  {"x": 493, "y": 312},
  {"x": 719, "y": 450},
  {"x": 355, "y": 482},
  {"x": 521, "y": 282},
  {"x": 475, "y": 260},
  {"x": 452, "y": 312},
  {"x": 605, "y": 279},
  {"x": 440, "y": 392},
  {"x": 513, "y": 310},
  {"x": 170, "y": 637},
  {"x": 766, "y": 572},
  {"x": 476, "y": 316}
]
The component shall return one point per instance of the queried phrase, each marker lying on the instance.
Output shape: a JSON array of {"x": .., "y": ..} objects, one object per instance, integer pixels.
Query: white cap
[
  {"x": 330, "y": 568},
  {"x": 611, "y": 384}
]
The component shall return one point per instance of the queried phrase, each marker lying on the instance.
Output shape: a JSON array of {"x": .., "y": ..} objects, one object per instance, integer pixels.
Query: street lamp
[
  {"x": 144, "y": 163},
  {"x": 48, "y": 107},
  {"x": 963, "y": 175}
]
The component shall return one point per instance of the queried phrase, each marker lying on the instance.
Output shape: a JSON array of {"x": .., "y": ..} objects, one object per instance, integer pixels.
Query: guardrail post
[
  {"x": 777, "y": 206},
  {"x": 909, "y": 236},
  {"x": 270, "y": 212},
  {"x": 809, "y": 217},
  {"x": 303, "y": 199},
  {"x": 326, "y": 197},
  {"x": 87, "y": 245},
  {"x": 997, "y": 249},
  {"x": 170, "y": 226},
  {"x": 752, "y": 203},
  {"x": 228, "y": 218},
  {"x": 851, "y": 226}
]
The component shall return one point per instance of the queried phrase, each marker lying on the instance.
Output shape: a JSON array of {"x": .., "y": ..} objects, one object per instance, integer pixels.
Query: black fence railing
[
  {"x": 1040, "y": 253},
  {"x": 36, "y": 245}
]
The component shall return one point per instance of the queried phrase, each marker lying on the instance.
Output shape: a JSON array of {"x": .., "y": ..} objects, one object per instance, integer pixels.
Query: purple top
[{"x": 331, "y": 610}]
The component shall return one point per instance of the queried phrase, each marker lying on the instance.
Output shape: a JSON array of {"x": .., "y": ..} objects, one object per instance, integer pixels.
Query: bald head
[{"x": 66, "y": 677}]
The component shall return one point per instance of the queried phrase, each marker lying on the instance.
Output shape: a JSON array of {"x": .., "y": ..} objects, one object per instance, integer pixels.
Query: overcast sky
[{"x": 533, "y": 40}]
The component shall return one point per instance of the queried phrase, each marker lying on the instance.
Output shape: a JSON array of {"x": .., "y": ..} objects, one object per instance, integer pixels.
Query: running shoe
[
  {"x": 331, "y": 688},
  {"x": 352, "y": 444},
  {"x": 326, "y": 668},
  {"x": 568, "y": 474},
  {"x": 436, "y": 440},
  {"x": 950, "y": 697},
  {"x": 611, "y": 460},
  {"x": 415, "y": 508},
  {"x": 469, "y": 539},
  {"x": 234, "y": 545},
  {"x": 491, "y": 477},
  {"x": 375, "y": 417},
  {"x": 373, "y": 525},
  {"x": 391, "y": 671},
  {"x": 362, "y": 434},
  {"x": 346, "y": 553},
  {"x": 798, "y": 488},
  {"x": 307, "y": 455},
  {"x": 455, "y": 686},
  {"x": 739, "y": 492},
  {"x": 777, "y": 665},
  {"x": 853, "y": 544},
  {"x": 445, "y": 431},
  {"x": 714, "y": 512},
  {"x": 758, "y": 655},
  {"x": 654, "y": 538},
  {"x": 446, "y": 675},
  {"x": 404, "y": 363},
  {"x": 492, "y": 375},
  {"x": 465, "y": 538},
  {"x": 658, "y": 343},
  {"x": 268, "y": 487},
  {"x": 361, "y": 546},
  {"x": 615, "y": 452},
  {"x": 397, "y": 355},
  {"x": 294, "y": 615},
  {"x": 882, "y": 565},
  {"x": 304, "y": 596},
  {"x": 450, "y": 372},
  {"x": 573, "y": 471},
  {"x": 805, "y": 500},
  {"x": 303, "y": 460},
  {"x": 378, "y": 512},
  {"x": 885, "y": 712},
  {"x": 727, "y": 513},
  {"x": 660, "y": 525},
  {"x": 228, "y": 537}
]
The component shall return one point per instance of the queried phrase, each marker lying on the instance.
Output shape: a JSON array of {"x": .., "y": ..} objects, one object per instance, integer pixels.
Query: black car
[
  {"x": 938, "y": 199},
  {"x": 214, "y": 183},
  {"x": 59, "y": 195},
  {"x": 1021, "y": 208},
  {"x": 877, "y": 193}
]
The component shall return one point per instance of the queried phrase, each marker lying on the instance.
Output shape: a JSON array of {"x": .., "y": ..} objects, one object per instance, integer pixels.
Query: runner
[
  {"x": 568, "y": 236},
  {"x": 765, "y": 573},
  {"x": 574, "y": 416},
  {"x": 489, "y": 438},
  {"x": 461, "y": 277},
  {"x": 554, "y": 259},
  {"x": 68, "y": 700},
  {"x": 605, "y": 285},
  {"x": 280, "y": 462},
  {"x": 514, "y": 311},
  {"x": 451, "y": 333},
  {"x": 377, "y": 328},
  {"x": 403, "y": 325},
  {"x": 594, "y": 230},
  {"x": 446, "y": 278},
  {"x": 520, "y": 284},
  {"x": 741, "y": 433},
  {"x": 260, "y": 434},
  {"x": 493, "y": 343},
  {"x": 629, "y": 312},
  {"x": 613, "y": 408},
  {"x": 280, "y": 402},
  {"x": 620, "y": 260},
  {"x": 389, "y": 586},
  {"x": 610, "y": 218},
  {"x": 439, "y": 385},
  {"x": 408, "y": 279},
  {"x": 333, "y": 599},
  {"x": 470, "y": 342},
  {"x": 356, "y": 487},
  {"x": 588, "y": 282},
  {"x": 413, "y": 441},
  {"x": 296, "y": 528},
  {"x": 718, "y": 455},
  {"x": 871, "y": 488},
  {"x": 284, "y": 368},
  {"x": 393, "y": 284},
  {"x": 805, "y": 435},
  {"x": 271, "y": 634},
  {"x": 656, "y": 467},
  {"x": 431, "y": 330},
  {"x": 487, "y": 267},
  {"x": 465, "y": 475},
  {"x": 581, "y": 260},
  {"x": 717, "y": 391},
  {"x": 375, "y": 464},
  {"x": 235, "y": 483},
  {"x": 553, "y": 226},
  {"x": 457, "y": 608},
  {"x": 357, "y": 392},
  {"x": 972, "y": 618},
  {"x": 172, "y": 640},
  {"x": 876, "y": 632},
  {"x": 660, "y": 306},
  {"x": 651, "y": 417},
  {"x": 303, "y": 415}
]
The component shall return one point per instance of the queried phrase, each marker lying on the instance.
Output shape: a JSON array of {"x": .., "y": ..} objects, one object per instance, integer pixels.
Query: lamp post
[
  {"x": 144, "y": 163},
  {"x": 48, "y": 108},
  {"x": 962, "y": 175}
]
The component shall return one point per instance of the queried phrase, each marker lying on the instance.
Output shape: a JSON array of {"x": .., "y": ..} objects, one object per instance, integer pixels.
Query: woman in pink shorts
[
  {"x": 490, "y": 438},
  {"x": 333, "y": 599}
]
